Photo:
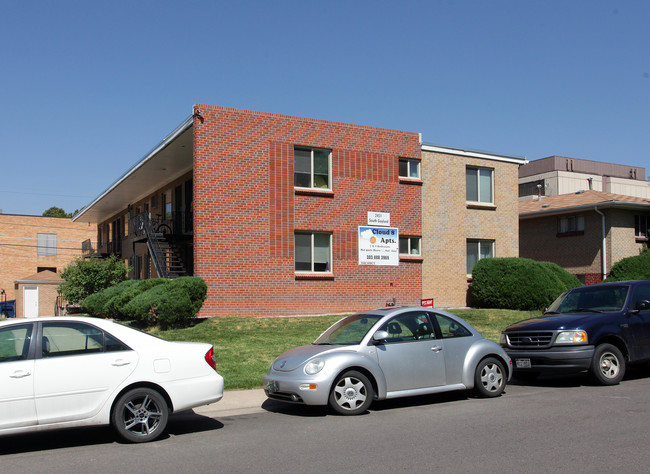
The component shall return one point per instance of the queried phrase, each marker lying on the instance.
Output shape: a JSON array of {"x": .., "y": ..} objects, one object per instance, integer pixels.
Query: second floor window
[
  {"x": 313, "y": 252},
  {"x": 312, "y": 168},
  {"x": 409, "y": 246},
  {"x": 409, "y": 168},
  {"x": 479, "y": 186},
  {"x": 46, "y": 244}
]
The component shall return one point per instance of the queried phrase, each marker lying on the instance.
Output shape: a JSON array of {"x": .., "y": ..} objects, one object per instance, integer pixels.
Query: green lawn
[{"x": 245, "y": 346}]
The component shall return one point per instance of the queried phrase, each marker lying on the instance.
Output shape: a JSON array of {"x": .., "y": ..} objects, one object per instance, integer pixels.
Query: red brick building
[{"x": 267, "y": 209}]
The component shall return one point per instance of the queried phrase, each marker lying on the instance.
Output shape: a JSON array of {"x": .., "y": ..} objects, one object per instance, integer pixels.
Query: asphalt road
[{"x": 558, "y": 424}]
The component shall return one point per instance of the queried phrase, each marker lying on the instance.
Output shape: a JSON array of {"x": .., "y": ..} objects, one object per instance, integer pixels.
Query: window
[
  {"x": 46, "y": 244},
  {"x": 312, "y": 168},
  {"x": 570, "y": 225},
  {"x": 409, "y": 168},
  {"x": 313, "y": 252},
  {"x": 450, "y": 328},
  {"x": 641, "y": 226},
  {"x": 478, "y": 183},
  {"x": 14, "y": 342},
  {"x": 408, "y": 327},
  {"x": 62, "y": 339},
  {"x": 476, "y": 250},
  {"x": 409, "y": 246}
]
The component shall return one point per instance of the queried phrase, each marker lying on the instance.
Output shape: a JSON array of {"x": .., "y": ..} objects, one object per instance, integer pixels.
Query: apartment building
[{"x": 284, "y": 215}]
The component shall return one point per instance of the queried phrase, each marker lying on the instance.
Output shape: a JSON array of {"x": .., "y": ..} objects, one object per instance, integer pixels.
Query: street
[{"x": 557, "y": 424}]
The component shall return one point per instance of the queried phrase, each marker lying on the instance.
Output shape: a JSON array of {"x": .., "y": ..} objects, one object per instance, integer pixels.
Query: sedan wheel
[
  {"x": 608, "y": 365},
  {"x": 351, "y": 394},
  {"x": 140, "y": 415},
  {"x": 489, "y": 378}
]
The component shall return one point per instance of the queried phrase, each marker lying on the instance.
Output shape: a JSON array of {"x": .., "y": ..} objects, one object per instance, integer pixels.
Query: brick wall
[
  {"x": 448, "y": 221},
  {"x": 18, "y": 245},
  {"x": 246, "y": 211}
]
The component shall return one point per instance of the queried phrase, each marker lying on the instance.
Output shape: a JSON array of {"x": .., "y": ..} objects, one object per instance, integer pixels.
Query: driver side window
[
  {"x": 641, "y": 293},
  {"x": 408, "y": 327}
]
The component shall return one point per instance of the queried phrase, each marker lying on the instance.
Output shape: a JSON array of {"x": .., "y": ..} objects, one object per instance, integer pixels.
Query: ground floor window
[
  {"x": 476, "y": 250},
  {"x": 409, "y": 246},
  {"x": 641, "y": 226},
  {"x": 313, "y": 252},
  {"x": 570, "y": 224}
]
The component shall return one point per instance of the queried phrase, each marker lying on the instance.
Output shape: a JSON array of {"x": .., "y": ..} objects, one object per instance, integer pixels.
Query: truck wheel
[{"x": 608, "y": 365}]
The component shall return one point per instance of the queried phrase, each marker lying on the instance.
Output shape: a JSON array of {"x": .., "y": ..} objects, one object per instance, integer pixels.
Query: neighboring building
[
  {"x": 557, "y": 175},
  {"x": 273, "y": 212},
  {"x": 34, "y": 244},
  {"x": 585, "y": 232},
  {"x": 37, "y": 295},
  {"x": 469, "y": 212}
]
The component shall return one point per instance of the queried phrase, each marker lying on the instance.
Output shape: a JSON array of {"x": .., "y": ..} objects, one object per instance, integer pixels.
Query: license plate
[{"x": 523, "y": 363}]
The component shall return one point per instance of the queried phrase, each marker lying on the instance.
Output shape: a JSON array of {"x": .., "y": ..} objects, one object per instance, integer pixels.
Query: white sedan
[{"x": 60, "y": 372}]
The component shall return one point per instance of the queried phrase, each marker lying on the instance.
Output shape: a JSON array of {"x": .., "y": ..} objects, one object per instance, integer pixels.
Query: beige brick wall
[
  {"x": 581, "y": 254},
  {"x": 18, "y": 245},
  {"x": 448, "y": 221}
]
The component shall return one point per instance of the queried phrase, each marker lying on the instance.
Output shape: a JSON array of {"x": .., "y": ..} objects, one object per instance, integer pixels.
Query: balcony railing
[{"x": 175, "y": 224}]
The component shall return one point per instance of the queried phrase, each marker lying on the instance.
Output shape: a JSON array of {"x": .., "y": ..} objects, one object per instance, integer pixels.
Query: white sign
[
  {"x": 379, "y": 218},
  {"x": 378, "y": 246}
]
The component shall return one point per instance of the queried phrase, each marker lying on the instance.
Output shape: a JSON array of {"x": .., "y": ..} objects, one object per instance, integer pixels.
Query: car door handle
[
  {"x": 436, "y": 348},
  {"x": 120, "y": 363},
  {"x": 19, "y": 374}
]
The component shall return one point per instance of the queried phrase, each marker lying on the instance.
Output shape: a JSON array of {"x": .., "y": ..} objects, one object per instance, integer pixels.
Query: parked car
[
  {"x": 388, "y": 353},
  {"x": 597, "y": 328},
  {"x": 59, "y": 372}
]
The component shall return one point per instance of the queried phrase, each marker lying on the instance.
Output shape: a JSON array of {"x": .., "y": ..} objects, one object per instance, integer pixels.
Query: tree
[
  {"x": 86, "y": 276},
  {"x": 55, "y": 212}
]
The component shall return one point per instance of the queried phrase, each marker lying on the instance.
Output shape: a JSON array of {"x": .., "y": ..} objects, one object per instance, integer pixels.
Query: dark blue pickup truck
[{"x": 597, "y": 328}]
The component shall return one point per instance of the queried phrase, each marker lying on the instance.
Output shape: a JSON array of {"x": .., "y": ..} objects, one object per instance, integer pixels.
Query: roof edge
[
  {"x": 187, "y": 123},
  {"x": 520, "y": 160}
]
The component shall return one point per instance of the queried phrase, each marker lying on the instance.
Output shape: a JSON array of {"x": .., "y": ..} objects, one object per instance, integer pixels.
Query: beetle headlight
[
  {"x": 571, "y": 337},
  {"x": 314, "y": 366}
]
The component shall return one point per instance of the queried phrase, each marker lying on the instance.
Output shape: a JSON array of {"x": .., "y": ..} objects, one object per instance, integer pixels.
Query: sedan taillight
[{"x": 211, "y": 359}]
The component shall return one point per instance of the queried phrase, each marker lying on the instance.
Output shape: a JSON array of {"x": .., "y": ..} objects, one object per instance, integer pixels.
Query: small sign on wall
[
  {"x": 427, "y": 303},
  {"x": 379, "y": 218}
]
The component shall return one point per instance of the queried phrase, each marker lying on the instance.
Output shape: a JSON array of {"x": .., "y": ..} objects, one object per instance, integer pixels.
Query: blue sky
[{"x": 89, "y": 87}]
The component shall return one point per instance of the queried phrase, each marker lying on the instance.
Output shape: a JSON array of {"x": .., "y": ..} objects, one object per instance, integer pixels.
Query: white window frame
[
  {"x": 312, "y": 270},
  {"x": 311, "y": 167},
  {"x": 46, "y": 244},
  {"x": 478, "y": 184},
  {"x": 641, "y": 223},
  {"x": 410, "y": 246},
  {"x": 410, "y": 163},
  {"x": 480, "y": 242}
]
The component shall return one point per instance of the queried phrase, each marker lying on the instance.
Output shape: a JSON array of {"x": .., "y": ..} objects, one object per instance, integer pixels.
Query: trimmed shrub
[
  {"x": 518, "y": 283},
  {"x": 114, "y": 307},
  {"x": 631, "y": 268},
  {"x": 170, "y": 304},
  {"x": 96, "y": 304}
]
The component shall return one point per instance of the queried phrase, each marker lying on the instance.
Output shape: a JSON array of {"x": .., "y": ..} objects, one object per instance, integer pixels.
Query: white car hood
[{"x": 297, "y": 356}]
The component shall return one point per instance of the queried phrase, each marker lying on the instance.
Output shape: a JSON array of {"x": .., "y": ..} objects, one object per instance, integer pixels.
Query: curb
[{"x": 235, "y": 402}]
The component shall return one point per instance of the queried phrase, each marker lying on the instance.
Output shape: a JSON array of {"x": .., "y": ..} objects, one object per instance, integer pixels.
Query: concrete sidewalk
[{"x": 235, "y": 402}]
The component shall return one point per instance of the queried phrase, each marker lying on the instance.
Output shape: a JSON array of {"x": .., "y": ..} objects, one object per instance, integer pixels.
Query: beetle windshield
[
  {"x": 594, "y": 299},
  {"x": 348, "y": 331}
]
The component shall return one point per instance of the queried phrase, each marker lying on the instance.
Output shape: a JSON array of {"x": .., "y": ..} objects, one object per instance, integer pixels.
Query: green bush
[
  {"x": 114, "y": 307},
  {"x": 171, "y": 304},
  {"x": 87, "y": 276},
  {"x": 97, "y": 303},
  {"x": 631, "y": 268},
  {"x": 518, "y": 283}
]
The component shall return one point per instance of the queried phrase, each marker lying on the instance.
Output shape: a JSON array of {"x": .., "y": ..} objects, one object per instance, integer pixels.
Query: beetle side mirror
[{"x": 379, "y": 337}]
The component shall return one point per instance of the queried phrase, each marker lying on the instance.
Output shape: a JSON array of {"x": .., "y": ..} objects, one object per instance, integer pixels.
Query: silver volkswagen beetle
[{"x": 389, "y": 353}]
